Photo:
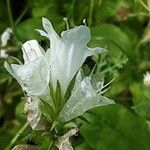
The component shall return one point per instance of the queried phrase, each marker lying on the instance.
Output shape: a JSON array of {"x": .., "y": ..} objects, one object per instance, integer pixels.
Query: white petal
[
  {"x": 33, "y": 77},
  {"x": 78, "y": 81},
  {"x": 54, "y": 38},
  {"x": 43, "y": 33},
  {"x": 95, "y": 50},
  {"x": 83, "y": 98},
  {"x": 71, "y": 54},
  {"x": 10, "y": 70},
  {"x": 68, "y": 53},
  {"x": 78, "y": 35},
  {"x": 87, "y": 88},
  {"x": 31, "y": 51}
]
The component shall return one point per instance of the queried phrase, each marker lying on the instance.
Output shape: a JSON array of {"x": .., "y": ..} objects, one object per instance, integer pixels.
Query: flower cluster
[{"x": 61, "y": 62}]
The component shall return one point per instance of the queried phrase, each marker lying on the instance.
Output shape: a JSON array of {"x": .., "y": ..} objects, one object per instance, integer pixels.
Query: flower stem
[
  {"x": 21, "y": 16},
  {"x": 144, "y": 5},
  {"x": 91, "y": 13},
  {"x": 73, "y": 11},
  {"x": 12, "y": 24},
  {"x": 17, "y": 136}
]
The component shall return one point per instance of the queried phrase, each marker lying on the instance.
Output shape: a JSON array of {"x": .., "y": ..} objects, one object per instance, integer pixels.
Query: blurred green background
[{"x": 121, "y": 26}]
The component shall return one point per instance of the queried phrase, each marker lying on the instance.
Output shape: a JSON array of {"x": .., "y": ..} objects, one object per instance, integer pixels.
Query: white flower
[
  {"x": 146, "y": 79},
  {"x": 68, "y": 52},
  {"x": 4, "y": 53},
  {"x": 33, "y": 75},
  {"x": 84, "y": 97},
  {"x": 60, "y": 62},
  {"x": 5, "y": 37},
  {"x": 32, "y": 51}
]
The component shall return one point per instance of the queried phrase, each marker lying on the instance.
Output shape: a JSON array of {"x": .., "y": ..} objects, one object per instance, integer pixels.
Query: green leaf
[
  {"x": 140, "y": 93},
  {"x": 114, "y": 127},
  {"x": 47, "y": 111},
  {"x": 146, "y": 35},
  {"x": 69, "y": 89},
  {"x": 26, "y": 29},
  {"x": 43, "y": 141},
  {"x": 113, "y": 38},
  {"x": 143, "y": 110},
  {"x": 58, "y": 96}
]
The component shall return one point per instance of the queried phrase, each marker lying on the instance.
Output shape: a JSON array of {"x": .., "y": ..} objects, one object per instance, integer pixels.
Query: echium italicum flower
[{"x": 47, "y": 76}]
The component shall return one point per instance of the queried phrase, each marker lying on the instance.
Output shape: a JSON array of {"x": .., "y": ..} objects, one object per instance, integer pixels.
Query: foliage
[{"x": 122, "y": 27}]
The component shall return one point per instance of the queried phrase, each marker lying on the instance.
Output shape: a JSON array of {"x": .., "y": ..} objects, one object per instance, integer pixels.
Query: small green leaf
[
  {"x": 47, "y": 111},
  {"x": 58, "y": 96}
]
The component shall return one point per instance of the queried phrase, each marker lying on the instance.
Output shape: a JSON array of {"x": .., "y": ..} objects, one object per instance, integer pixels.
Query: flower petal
[
  {"x": 53, "y": 36},
  {"x": 95, "y": 50},
  {"x": 78, "y": 35},
  {"x": 10, "y": 70},
  {"x": 68, "y": 53},
  {"x": 31, "y": 51},
  {"x": 43, "y": 33},
  {"x": 83, "y": 98},
  {"x": 33, "y": 77},
  {"x": 68, "y": 61}
]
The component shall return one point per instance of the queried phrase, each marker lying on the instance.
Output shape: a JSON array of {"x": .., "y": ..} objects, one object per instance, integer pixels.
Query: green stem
[
  {"x": 22, "y": 14},
  {"x": 12, "y": 24},
  {"x": 144, "y": 5},
  {"x": 17, "y": 136},
  {"x": 91, "y": 13},
  {"x": 108, "y": 69},
  {"x": 73, "y": 11}
]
